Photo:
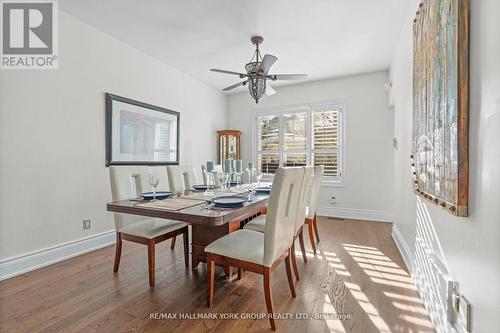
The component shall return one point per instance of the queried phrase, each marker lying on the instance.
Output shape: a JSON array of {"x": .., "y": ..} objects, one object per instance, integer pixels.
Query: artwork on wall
[
  {"x": 440, "y": 103},
  {"x": 140, "y": 134}
]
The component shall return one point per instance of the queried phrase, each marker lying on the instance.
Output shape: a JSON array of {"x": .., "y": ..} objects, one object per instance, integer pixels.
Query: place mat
[
  {"x": 203, "y": 196},
  {"x": 197, "y": 196},
  {"x": 171, "y": 203}
]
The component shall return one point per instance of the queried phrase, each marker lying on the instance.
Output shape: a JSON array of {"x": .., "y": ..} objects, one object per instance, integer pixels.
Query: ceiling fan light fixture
[
  {"x": 257, "y": 88},
  {"x": 257, "y": 73}
]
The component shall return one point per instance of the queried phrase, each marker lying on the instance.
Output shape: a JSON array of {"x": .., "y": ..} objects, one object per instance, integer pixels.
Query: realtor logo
[{"x": 29, "y": 35}]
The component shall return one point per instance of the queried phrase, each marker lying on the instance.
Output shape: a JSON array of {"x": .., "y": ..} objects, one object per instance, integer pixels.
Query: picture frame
[
  {"x": 440, "y": 154},
  {"x": 138, "y": 133}
]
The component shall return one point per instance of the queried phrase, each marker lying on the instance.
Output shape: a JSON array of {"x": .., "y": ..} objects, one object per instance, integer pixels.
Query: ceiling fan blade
[
  {"x": 269, "y": 90},
  {"x": 288, "y": 76},
  {"x": 266, "y": 63},
  {"x": 241, "y": 75},
  {"x": 235, "y": 85}
]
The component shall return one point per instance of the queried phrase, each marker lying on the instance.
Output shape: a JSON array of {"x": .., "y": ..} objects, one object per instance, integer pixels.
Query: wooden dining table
[{"x": 208, "y": 224}]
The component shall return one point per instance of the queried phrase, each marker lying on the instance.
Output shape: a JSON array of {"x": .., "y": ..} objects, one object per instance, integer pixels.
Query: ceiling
[{"x": 323, "y": 38}]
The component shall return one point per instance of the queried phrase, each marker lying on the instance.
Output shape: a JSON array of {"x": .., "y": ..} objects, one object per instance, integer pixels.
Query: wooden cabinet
[{"x": 228, "y": 145}]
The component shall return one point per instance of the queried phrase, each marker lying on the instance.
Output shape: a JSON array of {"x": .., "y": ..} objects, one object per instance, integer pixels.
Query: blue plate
[
  {"x": 202, "y": 187},
  {"x": 159, "y": 195},
  {"x": 230, "y": 201},
  {"x": 264, "y": 190}
]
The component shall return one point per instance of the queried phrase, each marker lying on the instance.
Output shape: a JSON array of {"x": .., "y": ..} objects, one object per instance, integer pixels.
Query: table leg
[
  {"x": 228, "y": 270},
  {"x": 194, "y": 262}
]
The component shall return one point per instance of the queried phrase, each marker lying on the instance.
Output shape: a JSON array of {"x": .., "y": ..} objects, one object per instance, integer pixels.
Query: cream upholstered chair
[
  {"x": 259, "y": 223},
  {"x": 262, "y": 252},
  {"x": 126, "y": 183},
  {"x": 312, "y": 205},
  {"x": 180, "y": 177}
]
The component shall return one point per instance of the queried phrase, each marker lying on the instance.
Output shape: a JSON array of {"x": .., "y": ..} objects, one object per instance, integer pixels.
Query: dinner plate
[
  {"x": 265, "y": 190},
  {"x": 202, "y": 187},
  {"x": 159, "y": 195},
  {"x": 229, "y": 201}
]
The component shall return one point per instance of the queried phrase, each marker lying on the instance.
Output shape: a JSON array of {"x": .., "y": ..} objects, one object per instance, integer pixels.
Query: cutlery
[{"x": 211, "y": 206}]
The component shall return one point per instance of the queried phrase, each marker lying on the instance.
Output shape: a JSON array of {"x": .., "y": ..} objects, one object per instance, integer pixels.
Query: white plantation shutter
[
  {"x": 269, "y": 143},
  {"x": 299, "y": 137},
  {"x": 326, "y": 140},
  {"x": 295, "y": 129}
]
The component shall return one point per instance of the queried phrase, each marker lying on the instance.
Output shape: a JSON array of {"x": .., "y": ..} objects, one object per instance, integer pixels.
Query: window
[{"x": 302, "y": 136}]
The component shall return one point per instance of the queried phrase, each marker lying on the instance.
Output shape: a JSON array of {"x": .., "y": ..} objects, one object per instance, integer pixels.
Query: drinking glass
[
  {"x": 227, "y": 179},
  {"x": 154, "y": 180},
  {"x": 238, "y": 179},
  {"x": 210, "y": 183},
  {"x": 221, "y": 178}
]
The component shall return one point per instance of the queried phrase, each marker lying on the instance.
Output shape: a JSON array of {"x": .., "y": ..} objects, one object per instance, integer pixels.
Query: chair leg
[
  {"x": 211, "y": 280},
  {"x": 316, "y": 228},
  {"x": 269, "y": 297},
  {"x": 118, "y": 252},
  {"x": 151, "y": 263},
  {"x": 302, "y": 247},
  {"x": 289, "y": 275},
  {"x": 311, "y": 236},
  {"x": 185, "y": 238},
  {"x": 172, "y": 244},
  {"x": 294, "y": 261}
]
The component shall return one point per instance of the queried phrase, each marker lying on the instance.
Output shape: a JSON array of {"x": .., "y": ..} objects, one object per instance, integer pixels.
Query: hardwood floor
[{"x": 357, "y": 272}]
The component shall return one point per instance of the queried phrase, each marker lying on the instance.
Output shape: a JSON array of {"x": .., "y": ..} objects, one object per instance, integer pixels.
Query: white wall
[
  {"x": 468, "y": 247},
  {"x": 369, "y": 129},
  {"x": 52, "y": 171}
]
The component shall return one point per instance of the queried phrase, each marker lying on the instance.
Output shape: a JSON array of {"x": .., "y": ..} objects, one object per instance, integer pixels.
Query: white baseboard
[
  {"x": 403, "y": 248},
  {"x": 14, "y": 266},
  {"x": 356, "y": 214}
]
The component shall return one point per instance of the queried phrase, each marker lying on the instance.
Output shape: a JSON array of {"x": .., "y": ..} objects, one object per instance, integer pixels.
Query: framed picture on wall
[
  {"x": 140, "y": 134},
  {"x": 441, "y": 104}
]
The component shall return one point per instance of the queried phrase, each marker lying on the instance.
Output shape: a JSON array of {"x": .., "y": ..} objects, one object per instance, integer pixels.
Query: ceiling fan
[{"x": 257, "y": 73}]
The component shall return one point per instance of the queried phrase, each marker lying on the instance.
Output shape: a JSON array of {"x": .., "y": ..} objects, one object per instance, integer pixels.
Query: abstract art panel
[{"x": 440, "y": 103}]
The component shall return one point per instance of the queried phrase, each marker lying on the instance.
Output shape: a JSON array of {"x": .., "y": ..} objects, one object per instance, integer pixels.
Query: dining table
[{"x": 208, "y": 222}]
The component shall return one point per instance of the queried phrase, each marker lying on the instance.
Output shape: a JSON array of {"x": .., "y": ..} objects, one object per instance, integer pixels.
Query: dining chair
[
  {"x": 129, "y": 182},
  {"x": 180, "y": 177},
  {"x": 312, "y": 206},
  {"x": 259, "y": 223},
  {"x": 262, "y": 253}
]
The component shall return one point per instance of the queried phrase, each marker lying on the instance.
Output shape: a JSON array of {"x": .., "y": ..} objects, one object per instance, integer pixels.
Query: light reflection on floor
[{"x": 366, "y": 282}]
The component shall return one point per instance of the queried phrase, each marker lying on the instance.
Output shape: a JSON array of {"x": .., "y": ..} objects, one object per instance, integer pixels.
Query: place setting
[{"x": 164, "y": 199}]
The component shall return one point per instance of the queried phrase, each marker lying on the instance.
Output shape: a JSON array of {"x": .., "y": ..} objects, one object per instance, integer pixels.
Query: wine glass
[
  {"x": 154, "y": 180},
  {"x": 220, "y": 178},
  {"x": 227, "y": 178}
]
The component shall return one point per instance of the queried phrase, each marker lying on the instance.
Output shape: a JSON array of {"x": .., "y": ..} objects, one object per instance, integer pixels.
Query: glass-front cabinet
[{"x": 229, "y": 145}]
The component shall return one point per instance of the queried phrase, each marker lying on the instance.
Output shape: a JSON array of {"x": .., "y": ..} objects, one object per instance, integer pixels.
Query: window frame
[{"x": 309, "y": 108}]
